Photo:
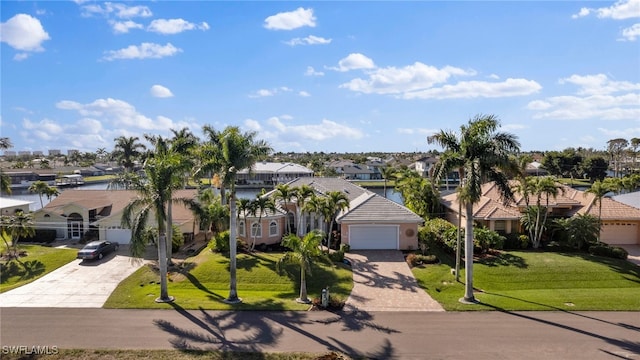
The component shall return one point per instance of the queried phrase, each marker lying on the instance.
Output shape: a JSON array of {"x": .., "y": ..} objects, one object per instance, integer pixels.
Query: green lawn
[
  {"x": 40, "y": 260},
  {"x": 204, "y": 283},
  {"x": 521, "y": 280}
]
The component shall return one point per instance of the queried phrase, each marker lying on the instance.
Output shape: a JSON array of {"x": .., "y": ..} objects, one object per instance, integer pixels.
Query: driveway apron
[
  {"x": 78, "y": 284},
  {"x": 383, "y": 282},
  {"x": 634, "y": 253}
]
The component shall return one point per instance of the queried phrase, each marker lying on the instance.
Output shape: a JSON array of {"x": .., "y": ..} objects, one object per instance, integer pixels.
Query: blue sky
[{"x": 319, "y": 76}]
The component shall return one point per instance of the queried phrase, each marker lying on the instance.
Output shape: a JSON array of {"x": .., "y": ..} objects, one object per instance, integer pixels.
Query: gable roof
[
  {"x": 364, "y": 205},
  {"x": 491, "y": 206}
]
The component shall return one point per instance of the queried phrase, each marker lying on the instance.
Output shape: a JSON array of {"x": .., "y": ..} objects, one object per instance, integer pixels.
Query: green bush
[
  {"x": 345, "y": 248},
  {"x": 485, "y": 239},
  {"x": 220, "y": 242},
  {"x": 439, "y": 233},
  {"x": 418, "y": 259},
  {"x": 608, "y": 251},
  {"x": 177, "y": 239},
  {"x": 515, "y": 241},
  {"x": 46, "y": 236}
]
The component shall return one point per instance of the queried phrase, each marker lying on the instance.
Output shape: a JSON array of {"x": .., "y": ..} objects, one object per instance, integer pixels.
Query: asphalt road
[{"x": 377, "y": 335}]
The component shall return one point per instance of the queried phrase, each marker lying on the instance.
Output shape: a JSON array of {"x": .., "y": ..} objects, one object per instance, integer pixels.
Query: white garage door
[
  {"x": 619, "y": 232},
  {"x": 121, "y": 236},
  {"x": 373, "y": 237}
]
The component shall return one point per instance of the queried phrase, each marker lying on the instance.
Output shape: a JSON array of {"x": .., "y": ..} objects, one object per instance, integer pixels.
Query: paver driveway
[
  {"x": 81, "y": 284},
  {"x": 383, "y": 282}
]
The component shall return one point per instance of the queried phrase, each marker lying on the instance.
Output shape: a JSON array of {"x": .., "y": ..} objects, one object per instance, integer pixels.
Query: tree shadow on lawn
[
  {"x": 626, "y": 345},
  {"x": 620, "y": 266},
  {"x": 259, "y": 331},
  {"x": 23, "y": 270},
  {"x": 503, "y": 259}
]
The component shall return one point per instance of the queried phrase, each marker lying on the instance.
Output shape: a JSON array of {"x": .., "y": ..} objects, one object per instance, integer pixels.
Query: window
[
  {"x": 273, "y": 228},
  {"x": 256, "y": 230},
  {"x": 499, "y": 225},
  {"x": 241, "y": 228}
]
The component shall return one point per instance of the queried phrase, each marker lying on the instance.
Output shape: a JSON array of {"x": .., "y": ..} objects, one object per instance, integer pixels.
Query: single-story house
[
  {"x": 10, "y": 206},
  {"x": 272, "y": 173},
  {"x": 620, "y": 222},
  {"x": 74, "y": 212},
  {"x": 370, "y": 222}
]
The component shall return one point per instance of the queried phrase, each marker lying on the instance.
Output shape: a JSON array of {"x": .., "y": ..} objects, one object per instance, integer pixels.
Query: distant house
[
  {"x": 272, "y": 173},
  {"x": 9, "y": 206},
  {"x": 75, "y": 212},
  {"x": 424, "y": 165},
  {"x": 620, "y": 222},
  {"x": 371, "y": 222},
  {"x": 349, "y": 170}
]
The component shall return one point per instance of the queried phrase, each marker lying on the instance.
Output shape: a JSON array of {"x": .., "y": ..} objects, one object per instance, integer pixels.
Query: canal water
[{"x": 241, "y": 193}]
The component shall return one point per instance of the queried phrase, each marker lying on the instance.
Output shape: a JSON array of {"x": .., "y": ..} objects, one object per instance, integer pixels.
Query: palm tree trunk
[
  {"x": 303, "y": 285},
  {"x": 162, "y": 265},
  {"x": 233, "y": 292},
  {"x": 169, "y": 234},
  {"x": 468, "y": 255},
  {"x": 458, "y": 240}
]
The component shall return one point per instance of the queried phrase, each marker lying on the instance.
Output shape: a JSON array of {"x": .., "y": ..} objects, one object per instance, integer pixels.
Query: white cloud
[
  {"x": 304, "y": 94},
  {"x": 392, "y": 80},
  {"x": 597, "y": 97},
  {"x": 622, "y": 9},
  {"x": 420, "y": 131},
  {"x": 119, "y": 113},
  {"x": 23, "y": 32},
  {"x": 174, "y": 26},
  {"x": 312, "y": 72},
  {"x": 123, "y": 27},
  {"x": 631, "y": 33},
  {"x": 290, "y": 20},
  {"x": 478, "y": 89},
  {"x": 160, "y": 91},
  {"x": 144, "y": 51},
  {"x": 252, "y": 125},
  {"x": 309, "y": 40},
  {"x": 20, "y": 56},
  {"x": 325, "y": 130},
  {"x": 44, "y": 128},
  {"x": 269, "y": 92},
  {"x": 354, "y": 61},
  {"x": 118, "y": 10}
]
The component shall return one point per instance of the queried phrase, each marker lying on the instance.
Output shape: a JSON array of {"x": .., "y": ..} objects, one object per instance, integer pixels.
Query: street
[{"x": 376, "y": 335}]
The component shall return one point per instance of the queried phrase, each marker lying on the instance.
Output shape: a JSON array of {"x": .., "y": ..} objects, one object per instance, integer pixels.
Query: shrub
[
  {"x": 345, "y": 248},
  {"x": 439, "y": 233},
  {"x": 46, "y": 236},
  {"x": 337, "y": 256},
  {"x": 485, "y": 239},
  {"x": 416, "y": 259},
  {"x": 608, "y": 251},
  {"x": 220, "y": 242},
  {"x": 177, "y": 239},
  {"x": 516, "y": 241}
]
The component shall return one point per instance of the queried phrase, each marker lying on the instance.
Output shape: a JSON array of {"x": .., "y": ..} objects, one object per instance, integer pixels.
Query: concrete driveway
[
  {"x": 634, "y": 253},
  {"x": 383, "y": 282},
  {"x": 79, "y": 284}
]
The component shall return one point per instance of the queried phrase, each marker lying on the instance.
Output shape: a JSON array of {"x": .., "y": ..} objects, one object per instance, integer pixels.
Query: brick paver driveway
[{"x": 384, "y": 282}]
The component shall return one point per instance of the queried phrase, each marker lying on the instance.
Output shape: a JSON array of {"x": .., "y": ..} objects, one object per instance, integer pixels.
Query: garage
[
  {"x": 121, "y": 236},
  {"x": 373, "y": 237},
  {"x": 619, "y": 232}
]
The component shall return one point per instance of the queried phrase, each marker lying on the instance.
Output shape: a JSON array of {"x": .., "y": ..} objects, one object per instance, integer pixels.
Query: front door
[{"x": 75, "y": 229}]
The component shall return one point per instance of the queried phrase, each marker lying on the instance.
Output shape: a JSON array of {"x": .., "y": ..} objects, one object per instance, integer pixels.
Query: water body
[{"x": 240, "y": 193}]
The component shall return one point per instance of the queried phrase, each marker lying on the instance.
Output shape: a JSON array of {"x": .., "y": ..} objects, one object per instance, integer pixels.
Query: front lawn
[
  {"x": 204, "y": 283},
  {"x": 40, "y": 260},
  {"x": 523, "y": 280}
]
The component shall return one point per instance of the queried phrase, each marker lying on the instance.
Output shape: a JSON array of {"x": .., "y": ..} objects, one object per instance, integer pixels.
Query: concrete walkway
[
  {"x": 78, "y": 284},
  {"x": 384, "y": 282}
]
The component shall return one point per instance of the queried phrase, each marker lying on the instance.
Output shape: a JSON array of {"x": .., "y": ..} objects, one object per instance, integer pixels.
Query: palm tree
[
  {"x": 244, "y": 209},
  {"x": 388, "y": 173},
  {"x": 598, "y": 189},
  {"x": 5, "y": 183},
  {"x": 127, "y": 150},
  {"x": 237, "y": 151},
  {"x": 286, "y": 194},
  {"x": 154, "y": 193},
  {"x": 304, "y": 251},
  {"x": 15, "y": 227},
  {"x": 259, "y": 207},
  {"x": 336, "y": 201},
  {"x": 480, "y": 152},
  {"x": 302, "y": 194},
  {"x": 40, "y": 188},
  {"x": 5, "y": 143}
]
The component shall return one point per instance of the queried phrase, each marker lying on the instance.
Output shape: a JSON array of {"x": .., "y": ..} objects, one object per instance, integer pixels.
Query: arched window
[
  {"x": 241, "y": 231},
  {"x": 273, "y": 228},
  {"x": 256, "y": 230}
]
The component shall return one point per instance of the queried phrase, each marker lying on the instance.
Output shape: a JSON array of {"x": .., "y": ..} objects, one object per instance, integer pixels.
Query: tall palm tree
[
  {"x": 259, "y": 207},
  {"x": 40, "y": 188},
  {"x": 535, "y": 217},
  {"x": 303, "y": 252},
  {"x": 237, "y": 151},
  {"x": 154, "y": 192},
  {"x": 598, "y": 189},
  {"x": 480, "y": 152},
  {"x": 286, "y": 194},
  {"x": 5, "y": 183},
  {"x": 185, "y": 143},
  {"x": 336, "y": 201},
  {"x": 302, "y": 194},
  {"x": 388, "y": 173},
  {"x": 209, "y": 158},
  {"x": 127, "y": 150}
]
